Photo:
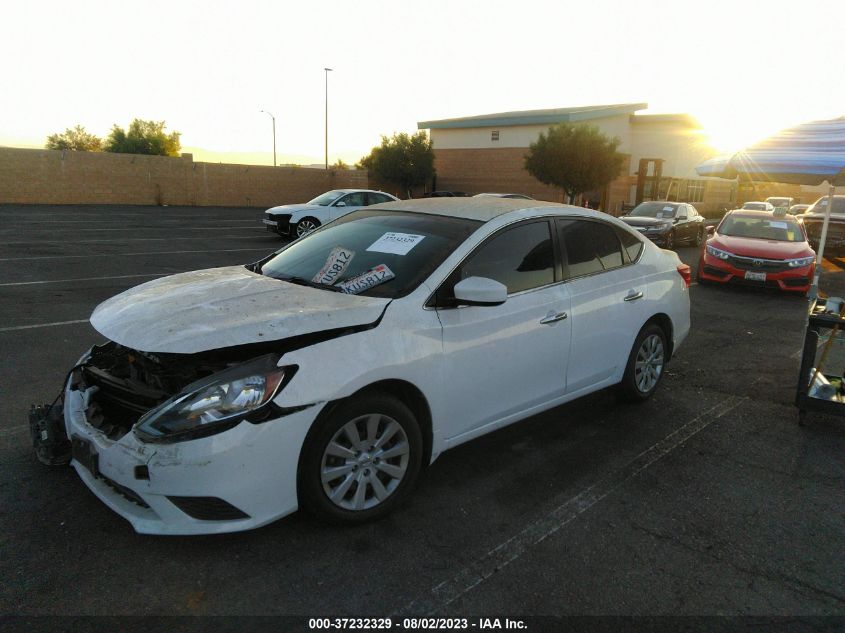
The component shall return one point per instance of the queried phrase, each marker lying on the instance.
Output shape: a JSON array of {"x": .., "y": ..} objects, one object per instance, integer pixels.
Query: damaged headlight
[{"x": 216, "y": 403}]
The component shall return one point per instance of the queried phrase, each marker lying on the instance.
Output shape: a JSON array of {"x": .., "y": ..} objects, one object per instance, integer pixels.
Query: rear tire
[
  {"x": 361, "y": 461},
  {"x": 646, "y": 364}
]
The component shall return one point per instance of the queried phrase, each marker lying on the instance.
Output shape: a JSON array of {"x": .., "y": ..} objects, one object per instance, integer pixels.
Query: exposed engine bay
[{"x": 129, "y": 383}]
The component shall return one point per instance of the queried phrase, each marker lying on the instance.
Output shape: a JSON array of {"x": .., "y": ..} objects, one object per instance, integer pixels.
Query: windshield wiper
[{"x": 302, "y": 281}]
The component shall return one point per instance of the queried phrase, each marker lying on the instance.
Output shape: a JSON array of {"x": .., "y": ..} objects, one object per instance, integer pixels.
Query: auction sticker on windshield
[
  {"x": 395, "y": 243},
  {"x": 367, "y": 280},
  {"x": 335, "y": 265}
]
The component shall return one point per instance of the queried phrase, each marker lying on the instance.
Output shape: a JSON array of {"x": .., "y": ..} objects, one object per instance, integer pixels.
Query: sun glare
[{"x": 728, "y": 132}]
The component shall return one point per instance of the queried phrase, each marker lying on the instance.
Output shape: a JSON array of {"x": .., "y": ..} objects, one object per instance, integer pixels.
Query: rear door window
[{"x": 589, "y": 247}]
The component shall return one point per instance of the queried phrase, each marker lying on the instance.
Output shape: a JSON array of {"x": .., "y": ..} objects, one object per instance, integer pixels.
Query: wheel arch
[
  {"x": 408, "y": 393},
  {"x": 663, "y": 320}
]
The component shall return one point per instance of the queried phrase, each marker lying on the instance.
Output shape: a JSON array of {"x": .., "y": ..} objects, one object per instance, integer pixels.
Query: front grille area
[
  {"x": 758, "y": 264},
  {"x": 118, "y": 403},
  {"x": 208, "y": 508},
  {"x": 283, "y": 223},
  {"x": 715, "y": 272}
]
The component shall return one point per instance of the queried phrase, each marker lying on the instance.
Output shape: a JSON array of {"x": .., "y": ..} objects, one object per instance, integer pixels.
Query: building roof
[
  {"x": 535, "y": 117},
  {"x": 481, "y": 209},
  {"x": 686, "y": 119}
]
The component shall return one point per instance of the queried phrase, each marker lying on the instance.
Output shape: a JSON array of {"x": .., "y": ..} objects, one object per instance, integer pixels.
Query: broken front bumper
[{"x": 237, "y": 480}]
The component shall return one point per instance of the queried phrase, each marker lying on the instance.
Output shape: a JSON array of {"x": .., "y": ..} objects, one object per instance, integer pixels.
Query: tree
[
  {"x": 340, "y": 164},
  {"x": 576, "y": 158},
  {"x": 144, "y": 137},
  {"x": 76, "y": 139},
  {"x": 404, "y": 160}
]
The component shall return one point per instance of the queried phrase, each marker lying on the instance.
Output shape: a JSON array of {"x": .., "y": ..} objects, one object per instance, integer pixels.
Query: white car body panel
[
  {"x": 223, "y": 307},
  {"x": 459, "y": 359}
]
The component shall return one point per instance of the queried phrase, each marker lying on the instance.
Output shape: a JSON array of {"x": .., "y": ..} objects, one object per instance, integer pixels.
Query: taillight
[{"x": 686, "y": 274}]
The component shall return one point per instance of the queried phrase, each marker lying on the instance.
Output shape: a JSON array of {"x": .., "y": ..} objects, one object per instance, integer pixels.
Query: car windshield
[
  {"x": 657, "y": 210},
  {"x": 779, "y": 202},
  {"x": 820, "y": 206},
  {"x": 761, "y": 227},
  {"x": 325, "y": 199},
  {"x": 370, "y": 252},
  {"x": 754, "y": 206}
]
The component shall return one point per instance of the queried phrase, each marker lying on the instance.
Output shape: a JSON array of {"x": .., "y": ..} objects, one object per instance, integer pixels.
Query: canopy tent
[{"x": 807, "y": 154}]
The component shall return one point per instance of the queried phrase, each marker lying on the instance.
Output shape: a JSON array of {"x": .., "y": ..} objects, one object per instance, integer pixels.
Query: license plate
[
  {"x": 86, "y": 455},
  {"x": 752, "y": 276},
  {"x": 270, "y": 222}
]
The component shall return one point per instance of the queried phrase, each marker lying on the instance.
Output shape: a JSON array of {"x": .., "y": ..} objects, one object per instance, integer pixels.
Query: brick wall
[
  {"x": 32, "y": 176},
  {"x": 501, "y": 170}
]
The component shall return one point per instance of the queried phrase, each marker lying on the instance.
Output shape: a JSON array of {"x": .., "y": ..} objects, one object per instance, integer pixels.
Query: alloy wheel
[
  {"x": 364, "y": 462},
  {"x": 649, "y": 363},
  {"x": 304, "y": 226}
]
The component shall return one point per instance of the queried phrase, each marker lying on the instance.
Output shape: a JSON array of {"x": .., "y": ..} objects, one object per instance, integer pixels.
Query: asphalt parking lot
[{"x": 707, "y": 500}]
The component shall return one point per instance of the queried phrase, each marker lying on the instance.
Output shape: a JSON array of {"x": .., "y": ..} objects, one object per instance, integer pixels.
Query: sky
[{"x": 744, "y": 68}]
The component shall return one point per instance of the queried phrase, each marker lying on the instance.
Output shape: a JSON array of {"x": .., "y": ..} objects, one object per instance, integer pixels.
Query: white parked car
[
  {"x": 758, "y": 206},
  {"x": 328, "y": 374},
  {"x": 295, "y": 220}
]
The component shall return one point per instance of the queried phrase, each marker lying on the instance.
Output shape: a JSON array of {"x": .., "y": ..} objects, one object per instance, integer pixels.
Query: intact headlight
[
  {"x": 216, "y": 403},
  {"x": 716, "y": 252},
  {"x": 801, "y": 262}
]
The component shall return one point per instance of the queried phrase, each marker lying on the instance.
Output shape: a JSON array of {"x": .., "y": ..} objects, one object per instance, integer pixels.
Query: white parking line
[
  {"x": 131, "y": 239},
  {"x": 60, "y": 281},
  {"x": 111, "y": 216},
  {"x": 38, "y": 325},
  {"x": 505, "y": 553},
  {"x": 222, "y": 250},
  {"x": 165, "y": 228}
]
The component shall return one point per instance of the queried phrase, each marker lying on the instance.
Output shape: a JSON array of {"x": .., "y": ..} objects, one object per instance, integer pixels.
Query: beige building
[{"x": 486, "y": 153}]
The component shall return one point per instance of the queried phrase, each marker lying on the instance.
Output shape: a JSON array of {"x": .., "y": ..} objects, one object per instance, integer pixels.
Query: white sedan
[
  {"x": 295, "y": 220},
  {"x": 328, "y": 374}
]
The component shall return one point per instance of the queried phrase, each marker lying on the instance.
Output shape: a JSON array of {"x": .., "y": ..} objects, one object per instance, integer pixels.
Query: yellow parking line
[{"x": 829, "y": 266}]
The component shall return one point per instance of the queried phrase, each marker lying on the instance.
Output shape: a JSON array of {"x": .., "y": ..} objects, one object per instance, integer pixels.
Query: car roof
[
  {"x": 481, "y": 209},
  {"x": 358, "y": 190}
]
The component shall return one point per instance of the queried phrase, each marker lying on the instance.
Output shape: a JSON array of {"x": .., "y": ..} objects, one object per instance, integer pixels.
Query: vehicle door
[
  {"x": 607, "y": 297},
  {"x": 504, "y": 359},
  {"x": 347, "y": 204},
  {"x": 682, "y": 224}
]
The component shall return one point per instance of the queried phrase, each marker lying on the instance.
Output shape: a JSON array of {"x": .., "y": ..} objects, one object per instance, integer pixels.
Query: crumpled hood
[
  {"x": 290, "y": 209},
  {"x": 224, "y": 307}
]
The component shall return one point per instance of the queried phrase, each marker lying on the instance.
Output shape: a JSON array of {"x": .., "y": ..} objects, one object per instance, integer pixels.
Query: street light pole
[
  {"x": 274, "y": 135},
  {"x": 328, "y": 70}
]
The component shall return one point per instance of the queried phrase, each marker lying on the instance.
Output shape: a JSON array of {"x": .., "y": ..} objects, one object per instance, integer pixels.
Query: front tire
[
  {"x": 670, "y": 240},
  {"x": 361, "y": 461},
  {"x": 306, "y": 225},
  {"x": 699, "y": 237},
  {"x": 646, "y": 364}
]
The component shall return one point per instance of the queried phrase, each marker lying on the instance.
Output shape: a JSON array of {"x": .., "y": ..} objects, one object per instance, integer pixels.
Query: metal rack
[{"x": 819, "y": 321}]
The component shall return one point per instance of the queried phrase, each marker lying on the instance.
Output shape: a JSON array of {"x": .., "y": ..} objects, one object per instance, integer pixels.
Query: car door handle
[
  {"x": 633, "y": 296},
  {"x": 553, "y": 317}
]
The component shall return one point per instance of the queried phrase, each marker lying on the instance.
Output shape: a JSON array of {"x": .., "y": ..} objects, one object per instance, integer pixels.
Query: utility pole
[
  {"x": 328, "y": 70},
  {"x": 274, "y": 135}
]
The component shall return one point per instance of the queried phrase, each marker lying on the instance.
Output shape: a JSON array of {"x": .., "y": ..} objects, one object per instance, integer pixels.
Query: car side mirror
[
  {"x": 480, "y": 291},
  {"x": 340, "y": 204}
]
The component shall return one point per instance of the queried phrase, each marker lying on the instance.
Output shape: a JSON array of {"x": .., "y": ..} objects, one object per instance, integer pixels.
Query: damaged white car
[{"x": 327, "y": 375}]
